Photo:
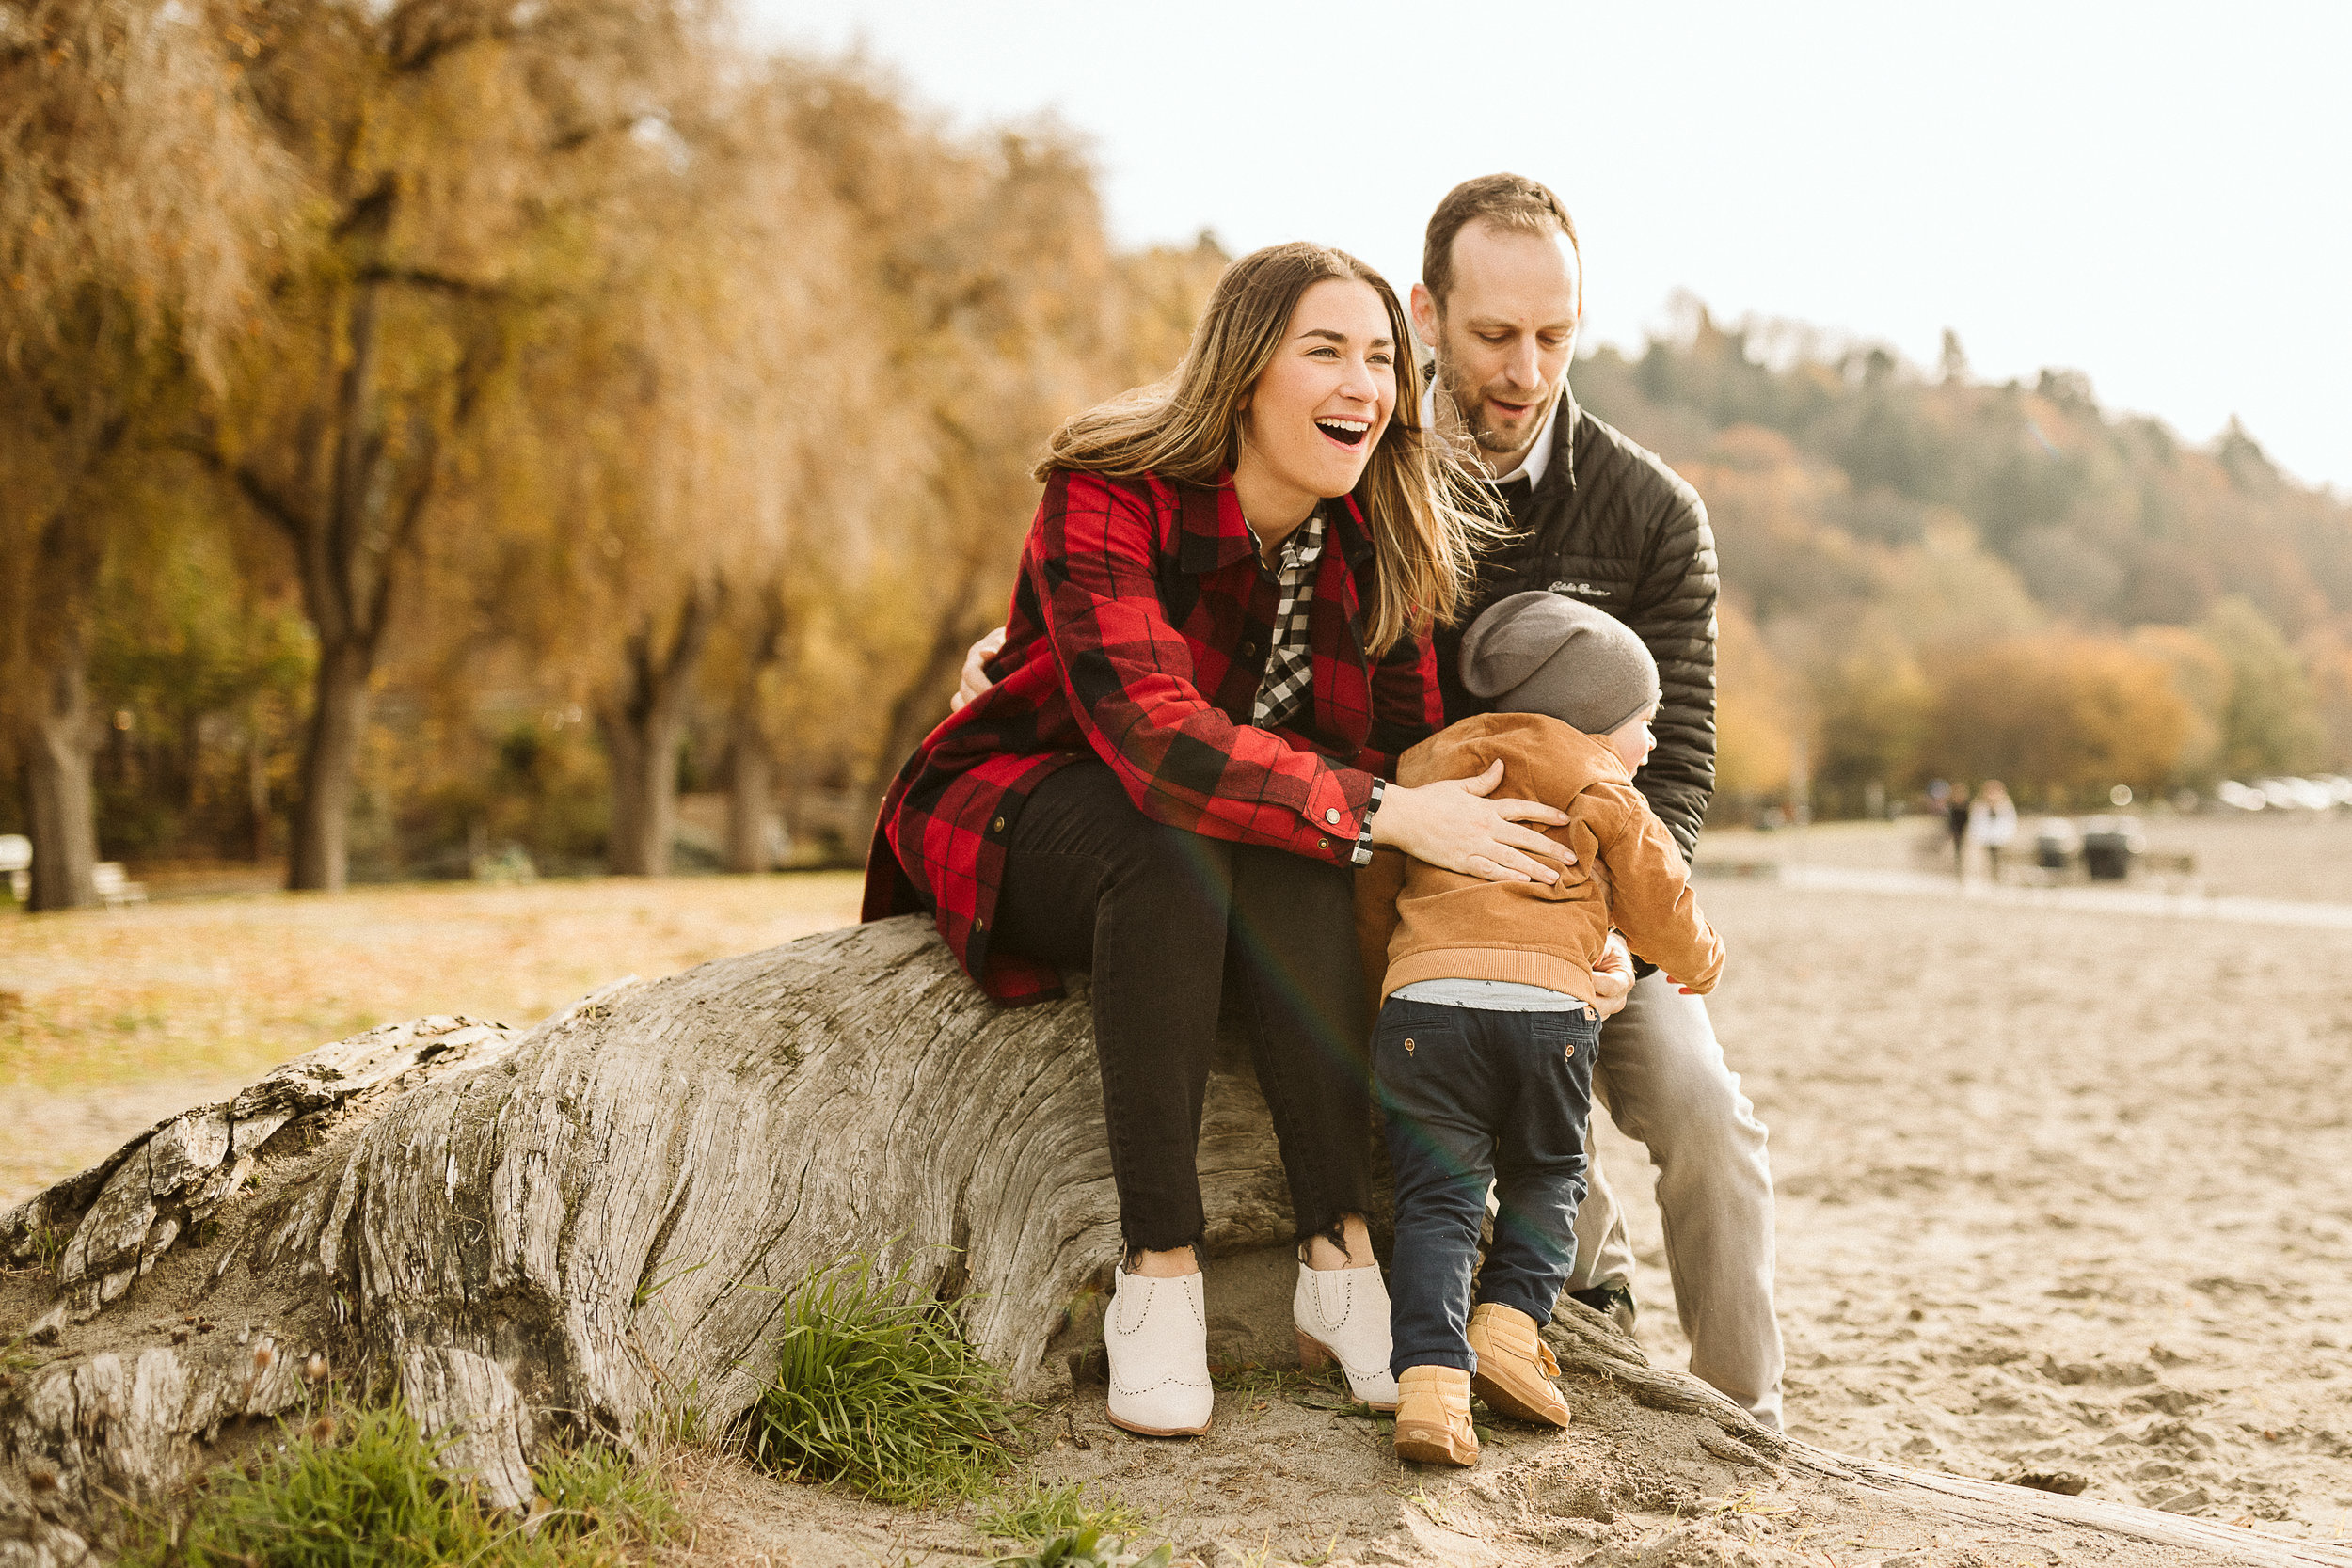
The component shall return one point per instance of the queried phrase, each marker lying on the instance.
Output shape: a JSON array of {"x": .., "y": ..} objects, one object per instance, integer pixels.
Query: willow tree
[
  {"x": 692, "y": 406},
  {"x": 1003, "y": 309},
  {"x": 822, "y": 445},
  {"x": 457, "y": 150},
  {"x": 136, "y": 202}
]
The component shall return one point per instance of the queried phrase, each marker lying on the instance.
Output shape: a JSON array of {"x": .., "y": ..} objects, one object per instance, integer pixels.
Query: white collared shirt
[{"x": 1538, "y": 457}]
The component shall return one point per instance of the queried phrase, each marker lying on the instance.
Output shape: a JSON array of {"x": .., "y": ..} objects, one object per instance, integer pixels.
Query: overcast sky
[{"x": 2159, "y": 194}]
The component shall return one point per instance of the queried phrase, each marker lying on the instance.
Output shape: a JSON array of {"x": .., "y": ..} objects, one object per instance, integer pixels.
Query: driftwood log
[{"x": 589, "y": 1226}]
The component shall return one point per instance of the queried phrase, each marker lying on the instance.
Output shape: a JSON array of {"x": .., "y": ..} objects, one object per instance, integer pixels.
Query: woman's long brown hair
[{"x": 1418, "y": 498}]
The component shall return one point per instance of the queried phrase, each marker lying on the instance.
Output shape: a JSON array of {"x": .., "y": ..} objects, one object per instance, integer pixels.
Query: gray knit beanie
[{"x": 1545, "y": 653}]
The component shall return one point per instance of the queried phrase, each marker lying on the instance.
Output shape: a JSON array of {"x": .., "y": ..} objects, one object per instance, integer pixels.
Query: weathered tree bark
[
  {"x": 588, "y": 1225},
  {"x": 643, "y": 722}
]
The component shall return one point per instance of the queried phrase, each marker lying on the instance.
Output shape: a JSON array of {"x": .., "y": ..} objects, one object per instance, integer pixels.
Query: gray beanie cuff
[{"x": 1630, "y": 714}]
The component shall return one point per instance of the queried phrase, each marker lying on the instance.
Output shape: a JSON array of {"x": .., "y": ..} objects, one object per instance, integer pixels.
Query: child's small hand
[{"x": 1613, "y": 976}]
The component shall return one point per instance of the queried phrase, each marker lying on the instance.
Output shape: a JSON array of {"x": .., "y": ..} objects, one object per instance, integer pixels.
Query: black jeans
[
  {"x": 1473, "y": 1096},
  {"x": 1164, "y": 918}
]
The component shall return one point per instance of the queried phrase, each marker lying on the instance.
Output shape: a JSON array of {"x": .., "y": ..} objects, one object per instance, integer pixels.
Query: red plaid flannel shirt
[{"x": 1138, "y": 634}]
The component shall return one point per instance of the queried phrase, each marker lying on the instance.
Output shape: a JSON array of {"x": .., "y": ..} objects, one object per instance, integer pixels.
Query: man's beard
[{"x": 1471, "y": 410}]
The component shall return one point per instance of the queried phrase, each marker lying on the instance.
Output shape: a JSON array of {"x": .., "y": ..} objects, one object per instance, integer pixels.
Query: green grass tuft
[
  {"x": 1088, "y": 1548},
  {"x": 600, "y": 1498},
  {"x": 876, "y": 1390},
  {"x": 363, "y": 1490},
  {"x": 1040, "y": 1513},
  {"x": 49, "y": 1244}
]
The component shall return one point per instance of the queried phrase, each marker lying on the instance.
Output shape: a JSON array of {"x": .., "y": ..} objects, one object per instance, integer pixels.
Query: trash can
[
  {"x": 2111, "y": 844},
  {"x": 2054, "y": 844}
]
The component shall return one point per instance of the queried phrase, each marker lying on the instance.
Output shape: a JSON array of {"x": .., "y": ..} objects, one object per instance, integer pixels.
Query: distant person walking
[
  {"x": 1992, "y": 823},
  {"x": 1956, "y": 823}
]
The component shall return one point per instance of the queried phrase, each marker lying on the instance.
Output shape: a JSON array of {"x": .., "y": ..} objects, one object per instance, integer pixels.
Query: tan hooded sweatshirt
[{"x": 1418, "y": 923}]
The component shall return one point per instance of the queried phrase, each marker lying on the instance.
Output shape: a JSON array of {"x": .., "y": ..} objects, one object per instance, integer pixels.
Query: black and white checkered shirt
[{"x": 1288, "y": 664}]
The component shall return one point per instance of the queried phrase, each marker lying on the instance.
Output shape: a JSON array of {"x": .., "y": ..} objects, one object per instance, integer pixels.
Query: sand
[
  {"x": 2060, "y": 1191},
  {"x": 2056, "y": 1191}
]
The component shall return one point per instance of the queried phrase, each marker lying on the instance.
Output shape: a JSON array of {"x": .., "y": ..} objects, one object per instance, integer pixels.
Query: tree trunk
[
  {"x": 330, "y": 769},
  {"x": 60, "y": 745},
  {"x": 58, "y": 733},
  {"x": 577, "y": 1230},
  {"x": 257, "y": 787},
  {"x": 351, "y": 533},
  {"x": 751, "y": 816},
  {"x": 921, "y": 702},
  {"x": 643, "y": 723},
  {"x": 751, "y": 802}
]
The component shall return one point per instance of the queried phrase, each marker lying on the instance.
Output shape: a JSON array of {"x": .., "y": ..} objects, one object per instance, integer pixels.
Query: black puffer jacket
[{"x": 1613, "y": 526}]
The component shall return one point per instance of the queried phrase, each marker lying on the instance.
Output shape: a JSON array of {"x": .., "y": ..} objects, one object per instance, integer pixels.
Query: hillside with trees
[
  {"x": 1930, "y": 575},
  {"x": 430, "y": 441}
]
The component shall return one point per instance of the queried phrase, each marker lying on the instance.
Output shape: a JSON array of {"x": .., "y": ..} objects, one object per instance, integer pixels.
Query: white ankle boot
[
  {"x": 1342, "y": 1316},
  {"x": 1157, "y": 1334}
]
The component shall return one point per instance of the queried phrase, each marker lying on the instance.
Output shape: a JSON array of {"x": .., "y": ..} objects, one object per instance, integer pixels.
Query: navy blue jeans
[{"x": 1471, "y": 1096}]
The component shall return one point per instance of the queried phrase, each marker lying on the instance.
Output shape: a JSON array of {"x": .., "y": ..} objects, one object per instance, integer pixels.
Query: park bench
[
  {"x": 115, "y": 887},
  {"x": 16, "y": 859},
  {"x": 112, "y": 884}
]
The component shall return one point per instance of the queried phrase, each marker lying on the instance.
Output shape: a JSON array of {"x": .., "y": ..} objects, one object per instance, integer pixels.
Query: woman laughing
[{"x": 1216, "y": 650}]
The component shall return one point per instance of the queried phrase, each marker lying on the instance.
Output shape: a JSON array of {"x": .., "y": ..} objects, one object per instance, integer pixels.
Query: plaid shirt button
[{"x": 1331, "y": 815}]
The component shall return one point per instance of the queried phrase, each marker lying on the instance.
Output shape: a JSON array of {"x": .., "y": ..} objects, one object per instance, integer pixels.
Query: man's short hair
[{"x": 1507, "y": 201}]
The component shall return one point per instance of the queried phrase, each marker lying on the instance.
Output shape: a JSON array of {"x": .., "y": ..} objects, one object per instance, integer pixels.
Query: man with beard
[{"x": 1600, "y": 520}]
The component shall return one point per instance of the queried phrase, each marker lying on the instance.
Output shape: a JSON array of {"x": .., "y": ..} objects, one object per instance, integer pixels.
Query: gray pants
[{"x": 1663, "y": 1078}]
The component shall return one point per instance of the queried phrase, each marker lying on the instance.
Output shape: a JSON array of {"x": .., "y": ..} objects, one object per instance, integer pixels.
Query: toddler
[{"x": 1483, "y": 1050}]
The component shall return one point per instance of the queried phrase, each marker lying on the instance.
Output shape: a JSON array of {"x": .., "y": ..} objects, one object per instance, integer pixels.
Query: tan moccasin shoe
[
  {"x": 1515, "y": 1366},
  {"x": 1433, "y": 1417}
]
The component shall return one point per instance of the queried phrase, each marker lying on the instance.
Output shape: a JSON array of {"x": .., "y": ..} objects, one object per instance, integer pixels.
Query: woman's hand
[
  {"x": 976, "y": 679},
  {"x": 1452, "y": 824}
]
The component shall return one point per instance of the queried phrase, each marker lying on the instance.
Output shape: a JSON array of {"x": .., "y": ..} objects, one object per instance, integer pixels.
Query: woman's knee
[
  {"x": 1291, "y": 889},
  {"x": 1156, "y": 858}
]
